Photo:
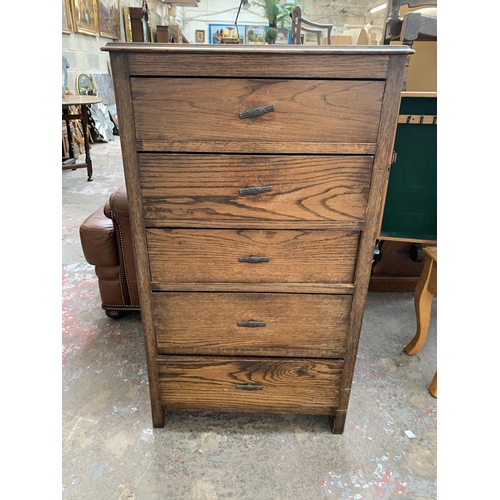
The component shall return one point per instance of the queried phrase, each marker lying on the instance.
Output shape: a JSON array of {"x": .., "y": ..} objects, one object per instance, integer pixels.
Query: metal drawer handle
[
  {"x": 250, "y": 386},
  {"x": 253, "y": 259},
  {"x": 258, "y": 111},
  {"x": 255, "y": 190},
  {"x": 251, "y": 323}
]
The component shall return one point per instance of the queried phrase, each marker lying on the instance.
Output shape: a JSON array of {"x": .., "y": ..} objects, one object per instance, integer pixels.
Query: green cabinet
[{"x": 410, "y": 211}]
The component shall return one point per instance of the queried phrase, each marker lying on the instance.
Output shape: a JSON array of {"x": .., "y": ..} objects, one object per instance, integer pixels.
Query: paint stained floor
[{"x": 111, "y": 451}]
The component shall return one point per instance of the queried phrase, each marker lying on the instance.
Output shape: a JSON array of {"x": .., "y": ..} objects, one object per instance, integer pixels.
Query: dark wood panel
[
  {"x": 207, "y": 110},
  {"x": 298, "y": 188},
  {"x": 287, "y": 324},
  {"x": 213, "y": 256},
  {"x": 262, "y": 65},
  {"x": 304, "y": 386}
]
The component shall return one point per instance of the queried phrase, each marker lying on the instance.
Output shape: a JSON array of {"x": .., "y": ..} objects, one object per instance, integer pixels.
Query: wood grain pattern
[
  {"x": 262, "y": 65},
  {"x": 317, "y": 227},
  {"x": 207, "y": 109},
  {"x": 289, "y": 385},
  {"x": 206, "y": 188},
  {"x": 295, "y": 324},
  {"x": 201, "y": 256}
]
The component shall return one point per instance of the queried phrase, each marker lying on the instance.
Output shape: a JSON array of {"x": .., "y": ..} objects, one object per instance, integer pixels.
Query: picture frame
[
  {"x": 255, "y": 35},
  {"x": 200, "y": 36},
  {"x": 85, "y": 16},
  {"x": 284, "y": 36},
  {"x": 109, "y": 19},
  {"x": 215, "y": 29},
  {"x": 67, "y": 22}
]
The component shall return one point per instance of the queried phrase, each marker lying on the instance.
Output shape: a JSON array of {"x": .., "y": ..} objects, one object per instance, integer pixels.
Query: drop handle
[
  {"x": 253, "y": 259},
  {"x": 249, "y": 386},
  {"x": 257, "y": 111},
  {"x": 251, "y": 323},
  {"x": 253, "y": 190}
]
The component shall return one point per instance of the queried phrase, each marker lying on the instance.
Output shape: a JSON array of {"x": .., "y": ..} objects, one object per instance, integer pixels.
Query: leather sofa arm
[{"x": 97, "y": 235}]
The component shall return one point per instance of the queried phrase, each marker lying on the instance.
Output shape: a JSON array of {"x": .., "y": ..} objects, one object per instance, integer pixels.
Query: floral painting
[{"x": 109, "y": 18}]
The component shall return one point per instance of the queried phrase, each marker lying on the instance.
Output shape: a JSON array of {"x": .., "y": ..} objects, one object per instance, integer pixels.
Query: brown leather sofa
[{"x": 107, "y": 244}]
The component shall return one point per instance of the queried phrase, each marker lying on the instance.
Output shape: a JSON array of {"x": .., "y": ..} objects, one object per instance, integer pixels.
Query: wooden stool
[{"x": 425, "y": 290}]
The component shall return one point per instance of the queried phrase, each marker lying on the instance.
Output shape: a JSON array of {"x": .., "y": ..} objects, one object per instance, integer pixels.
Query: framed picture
[
  {"x": 284, "y": 37},
  {"x": 109, "y": 18},
  {"x": 218, "y": 31},
  {"x": 66, "y": 17},
  {"x": 200, "y": 36},
  {"x": 86, "y": 16},
  {"x": 255, "y": 35}
]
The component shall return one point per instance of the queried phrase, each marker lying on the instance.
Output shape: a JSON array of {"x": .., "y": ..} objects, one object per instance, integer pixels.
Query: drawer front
[
  {"x": 251, "y": 256},
  {"x": 203, "y": 114},
  {"x": 252, "y": 324},
  {"x": 247, "y": 188},
  {"x": 276, "y": 385}
]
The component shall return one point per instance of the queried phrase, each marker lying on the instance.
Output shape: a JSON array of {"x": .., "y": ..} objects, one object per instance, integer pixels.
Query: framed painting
[
  {"x": 86, "y": 16},
  {"x": 109, "y": 18},
  {"x": 255, "y": 35},
  {"x": 284, "y": 37},
  {"x": 218, "y": 31},
  {"x": 200, "y": 36},
  {"x": 66, "y": 17}
]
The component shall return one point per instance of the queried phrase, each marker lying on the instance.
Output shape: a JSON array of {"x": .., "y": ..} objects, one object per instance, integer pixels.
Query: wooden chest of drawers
[{"x": 255, "y": 177}]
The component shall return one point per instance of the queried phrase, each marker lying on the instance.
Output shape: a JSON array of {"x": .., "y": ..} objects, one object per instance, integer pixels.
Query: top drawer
[{"x": 310, "y": 116}]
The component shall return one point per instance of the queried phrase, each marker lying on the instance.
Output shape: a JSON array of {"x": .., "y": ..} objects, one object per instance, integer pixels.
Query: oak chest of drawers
[{"x": 255, "y": 177}]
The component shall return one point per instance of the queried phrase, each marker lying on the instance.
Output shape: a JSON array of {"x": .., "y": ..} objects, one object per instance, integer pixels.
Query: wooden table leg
[
  {"x": 85, "y": 123},
  {"x": 433, "y": 389},
  {"x": 423, "y": 302}
]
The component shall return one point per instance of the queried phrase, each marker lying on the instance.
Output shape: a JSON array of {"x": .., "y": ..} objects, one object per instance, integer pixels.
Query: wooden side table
[
  {"x": 425, "y": 290},
  {"x": 69, "y": 163}
]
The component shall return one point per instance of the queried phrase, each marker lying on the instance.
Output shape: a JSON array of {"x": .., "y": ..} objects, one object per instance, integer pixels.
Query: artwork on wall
[
  {"x": 255, "y": 35},
  {"x": 218, "y": 31},
  {"x": 66, "y": 17},
  {"x": 200, "y": 36},
  {"x": 85, "y": 16},
  {"x": 109, "y": 18},
  {"x": 284, "y": 37}
]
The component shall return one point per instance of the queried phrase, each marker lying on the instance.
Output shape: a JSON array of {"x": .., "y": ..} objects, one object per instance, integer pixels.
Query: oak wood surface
[
  {"x": 307, "y": 386},
  {"x": 190, "y": 103},
  {"x": 207, "y": 110},
  {"x": 291, "y": 324},
  {"x": 208, "y": 256},
  {"x": 206, "y": 188}
]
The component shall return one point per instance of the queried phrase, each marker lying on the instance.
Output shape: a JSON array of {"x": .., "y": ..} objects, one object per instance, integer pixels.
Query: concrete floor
[{"x": 111, "y": 451}]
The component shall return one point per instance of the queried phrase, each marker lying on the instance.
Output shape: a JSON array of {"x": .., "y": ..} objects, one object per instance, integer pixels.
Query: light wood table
[
  {"x": 425, "y": 290},
  {"x": 69, "y": 163}
]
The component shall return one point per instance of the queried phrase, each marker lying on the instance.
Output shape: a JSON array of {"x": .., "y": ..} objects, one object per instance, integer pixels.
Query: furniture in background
[
  {"x": 425, "y": 291},
  {"x": 416, "y": 25},
  {"x": 106, "y": 241},
  {"x": 253, "y": 238},
  {"x": 300, "y": 25},
  {"x": 80, "y": 102},
  {"x": 137, "y": 23},
  {"x": 410, "y": 209}
]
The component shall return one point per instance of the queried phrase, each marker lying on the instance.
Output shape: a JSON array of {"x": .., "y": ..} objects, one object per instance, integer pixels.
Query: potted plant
[{"x": 277, "y": 12}]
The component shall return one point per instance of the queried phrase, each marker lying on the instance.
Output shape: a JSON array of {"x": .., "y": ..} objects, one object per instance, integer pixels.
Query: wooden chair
[
  {"x": 425, "y": 290},
  {"x": 419, "y": 25},
  {"x": 298, "y": 22}
]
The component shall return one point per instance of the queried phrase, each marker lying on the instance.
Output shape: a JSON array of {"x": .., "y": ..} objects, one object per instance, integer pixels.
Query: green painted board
[{"x": 410, "y": 211}]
